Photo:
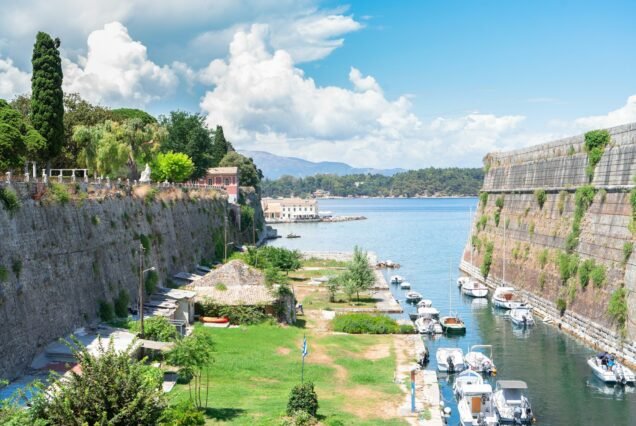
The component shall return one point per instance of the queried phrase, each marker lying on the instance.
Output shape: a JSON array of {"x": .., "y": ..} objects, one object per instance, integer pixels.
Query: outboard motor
[
  {"x": 525, "y": 321},
  {"x": 451, "y": 364},
  {"x": 517, "y": 416},
  {"x": 481, "y": 420}
]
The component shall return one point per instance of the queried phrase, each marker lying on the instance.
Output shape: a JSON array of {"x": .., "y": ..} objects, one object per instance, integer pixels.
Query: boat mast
[
  {"x": 450, "y": 293},
  {"x": 503, "y": 275},
  {"x": 470, "y": 228}
]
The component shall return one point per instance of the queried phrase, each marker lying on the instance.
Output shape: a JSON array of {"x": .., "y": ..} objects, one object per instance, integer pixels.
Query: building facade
[
  {"x": 225, "y": 178},
  {"x": 289, "y": 209}
]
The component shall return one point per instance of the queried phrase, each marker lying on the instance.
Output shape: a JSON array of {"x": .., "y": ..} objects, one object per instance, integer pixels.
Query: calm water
[{"x": 426, "y": 237}]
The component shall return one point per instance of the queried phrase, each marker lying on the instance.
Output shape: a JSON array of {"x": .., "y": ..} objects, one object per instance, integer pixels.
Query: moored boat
[
  {"x": 476, "y": 408},
  {"x": 397, "y": 279},
  {"x": 425, "y": 303},
  {"x": 609, "y": 370},
  {"x": 427, "y": 321},
  {"x": 522, "y": 316},
  {"x": 480, "y": 361},
  {"x": 452, "y": 325},
  {"x": 292, "y": 235},
  {"x": 511, "y": 404},
  {"x": 474, "y": 288},
  {"x": 466, "y": 377},
  {"x": 450, "y": 360},
  {"x": 462, "y": 280},
  {"x": 413, "y": 297},
  {"x": 506, "y": 298},
  {"x": 405, "y": 285}
]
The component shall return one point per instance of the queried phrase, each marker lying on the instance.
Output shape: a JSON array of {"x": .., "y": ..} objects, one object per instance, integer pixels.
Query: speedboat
[
  {"x": 506, "y": 298},
  {"x": 425, "y": 303},
  {"x": 405, "y": 285},
  {"x": 397, "y": 279},
  {"x": 474, "y": 288},
  {"x": 606, "y": 368},
  {"x": 522, "y": 316},
  {"x": 476, "y": 408},
  {"x": 462, "y": 280},
  {"x": 511, "y": 404},
  {"x": 427, "y": 321},
  {"x": 413, "y": 297},
  {"x": 292, "y": 235},
  {"x": 466, "y": 377},
  {"x": 450, "y": 360},
  {"x": 479, "y": 361},
  {"x": 453, "y": 325}
]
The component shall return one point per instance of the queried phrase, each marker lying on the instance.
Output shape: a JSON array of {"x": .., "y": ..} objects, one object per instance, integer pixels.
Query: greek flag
[{"x": 305, "y": 346}]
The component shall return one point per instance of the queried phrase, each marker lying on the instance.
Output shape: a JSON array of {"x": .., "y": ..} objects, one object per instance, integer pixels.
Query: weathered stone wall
[
  {"x": 62, "y": 259},
  {"x": 531, "y": 232}
]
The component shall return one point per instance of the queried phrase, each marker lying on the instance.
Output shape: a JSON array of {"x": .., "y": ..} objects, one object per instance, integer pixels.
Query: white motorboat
[
  {"x": 474, "y": 288},
  {"x": 397, "y": 279},
  {"x": 427, "y": 321},
  {"x": 480, "y": 361},
  {"x": 522, "y": 316},
  {"x": 606, "y": 368},
  {"x": 462, "y": 280},
  {"x": 413, "y": 297},
  {"x": 466, "y": 377},
  {"x": 450, "y": 360},
  {"x": 425, "y": 303},
  {"x": 405, "y": 285},
  {"x": 506, "y": 298},
  {"x": 476, "y": 408},
  {"x": 511, "y": 404}
]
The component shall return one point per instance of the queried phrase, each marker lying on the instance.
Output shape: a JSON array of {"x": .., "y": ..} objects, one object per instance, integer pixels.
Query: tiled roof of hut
[{"x": 232, "y": 273}]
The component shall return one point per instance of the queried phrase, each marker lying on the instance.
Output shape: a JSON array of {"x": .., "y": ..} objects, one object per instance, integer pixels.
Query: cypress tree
[
  {"x": 47, "y": 100},
  {"x": 219, "y": 146}
]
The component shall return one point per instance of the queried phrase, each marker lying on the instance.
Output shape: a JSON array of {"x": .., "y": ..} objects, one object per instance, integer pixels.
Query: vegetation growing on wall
[
  {"x": 561, "y": 305},
  {"x": 562, "y": 196},
  {"x": 583, "y": 199},
  {"x": 481, "y": 224},
  {"x": 543, "y": 258},
  {"x": 595, "y": 143},
  {"x": 617, "y": 308},
  {"x": 568, "y": 265},
  {"x": 628, "y": 248},
  {"x": 632, "y": 202},
  {"x": 10, "y": 200},
  {"x": 541, "y": 196},
  {"x": 483, "y": 200},
  {"x": 485, "y": 266}
]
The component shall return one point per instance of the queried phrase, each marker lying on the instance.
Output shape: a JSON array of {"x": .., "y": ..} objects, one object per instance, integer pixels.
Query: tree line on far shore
[{"x": 423, "y": 182}]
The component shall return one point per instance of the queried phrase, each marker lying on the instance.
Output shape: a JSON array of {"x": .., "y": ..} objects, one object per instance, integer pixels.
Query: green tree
[
  {"x": 113, "y": 389},
  {"x": 360, "y": 272},
  {"x": 249, "y": 174},
  {"x": 189, "y": 134},
  {"x": 173, "y": 167},
  {"x": 219, "y": 146},
  {"x": 124, "y": 114},
  {"x": 193, "y": 354},
  {"x": 18, "y": 139},
  {"x": 47, "y": 105}
]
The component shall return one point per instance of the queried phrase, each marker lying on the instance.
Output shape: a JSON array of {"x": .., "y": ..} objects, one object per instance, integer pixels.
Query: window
[
  {"x": 209, "y": 181},
  {"x": 218, "y": 180},
  {"x": 227, "y": 181}
]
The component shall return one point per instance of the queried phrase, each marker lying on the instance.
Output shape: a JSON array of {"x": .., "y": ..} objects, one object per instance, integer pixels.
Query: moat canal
[{"x": 424, "y": 235}]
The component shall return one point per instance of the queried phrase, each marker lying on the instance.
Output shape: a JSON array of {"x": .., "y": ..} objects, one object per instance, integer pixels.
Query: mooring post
[{"x": 412, "y": 391}]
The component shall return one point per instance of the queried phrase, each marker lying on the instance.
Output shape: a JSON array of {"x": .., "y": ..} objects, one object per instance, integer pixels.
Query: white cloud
[
  {"x": 623, "y": 115},
  {"x": 117, "y": 70},
  {"x": 265, "y": 102},
  {"x": 12, "y": 81}
]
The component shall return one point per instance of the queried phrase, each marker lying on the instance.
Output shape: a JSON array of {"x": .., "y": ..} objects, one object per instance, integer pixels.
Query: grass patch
[
  {"x": 60, "y": 193},
  {"x": 10, "y": 200},
  {"x": 323, "y": 263}
]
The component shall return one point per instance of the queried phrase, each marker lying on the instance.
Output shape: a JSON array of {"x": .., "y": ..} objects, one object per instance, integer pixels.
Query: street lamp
[{"x": 142, "y": 271}]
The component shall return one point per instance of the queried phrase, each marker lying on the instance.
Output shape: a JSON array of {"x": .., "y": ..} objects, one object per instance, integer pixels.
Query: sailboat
[{"x": 452, "y": 324}]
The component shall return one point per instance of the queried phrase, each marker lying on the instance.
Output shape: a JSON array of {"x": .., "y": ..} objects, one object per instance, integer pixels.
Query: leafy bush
[
  {"x": 4, "y": 274},
  {"x": 595, "y": 143},
  {"x": 303, "y": 398},
  {"x": 568, "y": 265},
  {"x": 561, "y": 305},
  {"x": 628, "y": 248},
  {"x": 483, "y": 200},
  {"x": 360, "y": 323},
  {"x": 121, "y": 303},
  {"x": 158, "y": 329},
  {"x": 541, "y": 196},
  {"x": 499, "y": 203},
  {"x": 184, "y": 413},
  {"x": 481, "y": 224},
  {"x": 584, "y": 272},
  {"x": 275, "y": 276},
  {"x": 497, "y": 217},
  {"x": 145, "y": 242},
  {"x": 299, "y": 418},
  {"x": 150, "y": 284},
  {"x": 10, "y": 200},
  {"x": 598, "y": 275},
  {"x": 239, "y": 314},
  {"x": 106, "y": 312},
  {"x": 617, "y": 307},
  {"x": 406, "y": 329},
  {"x": 543, "y": 258},
  {"x": 173, "y": 167},
  {"x": 485, "y": 266},
  {"x": 60, "y": 193}
]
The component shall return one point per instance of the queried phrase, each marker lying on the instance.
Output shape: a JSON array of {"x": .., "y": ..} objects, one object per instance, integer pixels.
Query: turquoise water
[{"x": 426, "y": 236}]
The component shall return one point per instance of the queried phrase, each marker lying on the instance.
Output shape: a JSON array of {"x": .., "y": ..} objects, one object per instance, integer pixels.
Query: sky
[{"x": 372, "y": 83}]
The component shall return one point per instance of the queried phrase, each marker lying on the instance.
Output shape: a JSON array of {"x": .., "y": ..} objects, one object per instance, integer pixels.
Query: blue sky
[{"x": 373, "y": 83}]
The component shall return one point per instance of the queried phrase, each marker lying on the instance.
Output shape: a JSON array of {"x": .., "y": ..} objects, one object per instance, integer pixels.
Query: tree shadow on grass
[
  {"x": 300, "y": 323},
  {"x": 223, "y": 413}
]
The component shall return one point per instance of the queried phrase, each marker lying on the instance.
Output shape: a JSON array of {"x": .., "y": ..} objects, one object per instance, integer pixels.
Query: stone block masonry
[
  {"x": 530, "y": 241},
  {"x": 57, "y": 261}
]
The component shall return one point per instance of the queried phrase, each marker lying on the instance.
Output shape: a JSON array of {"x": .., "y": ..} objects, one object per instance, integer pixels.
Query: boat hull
[
  {"x": 475, "y": 292},
  {"x": 609, "y": 376},
  {"x": 452, "y": 327},
  {"x": 506, "y": 304}
]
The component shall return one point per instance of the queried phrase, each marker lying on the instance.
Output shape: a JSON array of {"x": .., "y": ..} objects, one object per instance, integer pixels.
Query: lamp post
[{"x": 142, "y": 271}]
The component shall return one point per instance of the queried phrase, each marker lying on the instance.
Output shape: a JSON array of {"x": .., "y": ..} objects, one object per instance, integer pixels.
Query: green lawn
[
  {"x": 320, "y": 300},
  {"x": 323, "y": 263},
  {"x": 255, "y": 367}
]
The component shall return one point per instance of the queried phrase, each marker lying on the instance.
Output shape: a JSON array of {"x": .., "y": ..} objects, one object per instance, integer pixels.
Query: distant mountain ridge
[{"x": 275, "y": 166}]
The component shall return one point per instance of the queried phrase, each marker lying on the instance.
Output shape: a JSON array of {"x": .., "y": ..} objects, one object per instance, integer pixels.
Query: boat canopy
[
  {"x": 511, "y": 384},
  {"x": 476, "y": 389},
  {"x": 428, "y": 310}
]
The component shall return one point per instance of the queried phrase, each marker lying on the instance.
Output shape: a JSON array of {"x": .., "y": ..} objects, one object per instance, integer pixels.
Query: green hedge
[{"x": 365, "y": 324}]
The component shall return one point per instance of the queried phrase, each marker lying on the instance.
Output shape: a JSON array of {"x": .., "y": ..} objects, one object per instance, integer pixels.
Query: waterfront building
[
  {"x": 289, "y": 209},
  {"x": 321, "y": 193},
  {"x": 225, "y": 178}
]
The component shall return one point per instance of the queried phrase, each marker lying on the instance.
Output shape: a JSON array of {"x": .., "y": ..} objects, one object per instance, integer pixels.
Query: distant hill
[{"x": 275, "y": 166}]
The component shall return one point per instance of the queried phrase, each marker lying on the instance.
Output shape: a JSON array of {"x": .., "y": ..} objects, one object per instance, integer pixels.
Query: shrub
[
  {"x": 360, "y": 323},
  {"x": 4, "y": 274},
  {"x": 184, "y": 413},
  {"x": 60, "y": 193},
  {"x": 303, "y": 398},
  {"x": 106, "y": 312},
  {"x": 239, "y": 314},
  {"x": 485, "y": 266},
  {"x": 562, "y": 196},
  {"x": 483, "y": 200},
  {"x": 299, "y": 418},
  {"x": 583, "y": 199},
  {"x": 16, "y": 267},
  {"x": 598, "y": 275},
  {"x": 10, "y": 200},
  {"x": 150, "y": 284},
  {"x": 121, "y": 303},
  {"x": 499, "y": 203},
  {"x": 617, "y": 307},
  {"x": 481, "y": 224},
  {"x": 158, "y": 329},
  {"x": 561, "y": 305},
  {"x": 406, "y": 328},
  {"x": 145, "y": 242},
  {"x": 542, "y": 280},
  {"x": 497, "y": 217},
  {"x": 584, "y": 272},
  {"x": 595, "y": 143},
  {"x": 541, "y": 196},
  {"x": 95, "y": 220},
  {"x": 151, "y": 195},
  {"x": 543, "y": 258},
  {"x": 568, "y": 265},
  {"x": 628, "y": 248}
]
